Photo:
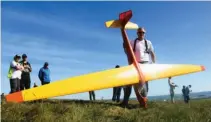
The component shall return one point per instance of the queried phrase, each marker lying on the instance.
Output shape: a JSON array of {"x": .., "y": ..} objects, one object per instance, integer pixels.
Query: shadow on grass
[{"x": 83, "y": 102}]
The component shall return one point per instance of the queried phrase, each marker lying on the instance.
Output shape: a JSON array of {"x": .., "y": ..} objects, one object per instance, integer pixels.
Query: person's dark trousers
[
  {"x": 118, "y": 93},
  {"x": 184, "y": 98},
  {"x": 25, "y": 82},
  {"x": 114, "y": 94},
  {"x": 14, "y": 85},
  {"x": 91, "y": 94},
  {"x": 44, "y": 83},
  {"x": 127, "y": 93},
  {"x": 127, "y": 90},
  {"x": 187, "y": 99}
]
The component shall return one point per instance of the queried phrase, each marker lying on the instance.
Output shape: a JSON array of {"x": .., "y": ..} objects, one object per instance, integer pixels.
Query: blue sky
[{"x": 72, "y": 37}]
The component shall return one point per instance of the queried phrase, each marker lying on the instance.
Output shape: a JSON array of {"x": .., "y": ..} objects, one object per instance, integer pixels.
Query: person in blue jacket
[{"x": 44, "y": 74}]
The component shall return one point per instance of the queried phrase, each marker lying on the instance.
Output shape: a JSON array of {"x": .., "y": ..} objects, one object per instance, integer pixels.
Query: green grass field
[{"x": 106, "y": 111}]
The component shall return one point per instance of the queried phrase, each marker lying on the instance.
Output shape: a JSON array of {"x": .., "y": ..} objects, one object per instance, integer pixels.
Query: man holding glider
[{"x": 143, "y": 50}]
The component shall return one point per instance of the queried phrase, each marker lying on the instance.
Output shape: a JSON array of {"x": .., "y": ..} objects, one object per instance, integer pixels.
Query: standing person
[
  {"x": 143, "y": 50},
  {"x": 14, "y": 74},
  {"x": 116, "y": 91},
  {"x": 172, "y": 87},
  {"x": 44, "y": 74},
  {"x": 25, "y": 82},
  {"x": 91, "y": 95},
  {"x": 187, "y": 93},
  {"x": 183, "y": 93},
  {"x": 2, "y": 97}
]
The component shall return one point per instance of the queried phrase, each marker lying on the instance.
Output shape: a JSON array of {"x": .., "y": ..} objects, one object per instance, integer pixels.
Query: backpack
[{"x": 146, "y": 45}]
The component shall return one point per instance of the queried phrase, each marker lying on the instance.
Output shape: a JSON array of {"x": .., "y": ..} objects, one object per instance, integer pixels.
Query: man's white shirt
[
  {"x": 140, "y": 49},
  {"x": 15, "y": 72}
]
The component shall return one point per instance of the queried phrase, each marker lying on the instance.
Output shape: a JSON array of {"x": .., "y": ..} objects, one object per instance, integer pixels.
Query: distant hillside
[{"x": 193, "y": 95}]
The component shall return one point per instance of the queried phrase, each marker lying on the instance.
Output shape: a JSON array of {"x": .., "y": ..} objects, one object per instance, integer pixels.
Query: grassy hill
[{"x": 106, "y": 111}]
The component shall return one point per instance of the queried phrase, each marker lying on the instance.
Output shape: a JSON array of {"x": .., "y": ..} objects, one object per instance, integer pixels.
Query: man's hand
[
  {"x": 153, "y": 62},
  {"x": 21, "y": 67},
  {"x": 153, "y": 57},
  {"x": 27, "y": 66}
]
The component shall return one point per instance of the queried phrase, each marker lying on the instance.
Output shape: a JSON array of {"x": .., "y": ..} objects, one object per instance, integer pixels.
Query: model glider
[
  {"x": 123, "y": 23},
  {"x": 125, "y": 75}
]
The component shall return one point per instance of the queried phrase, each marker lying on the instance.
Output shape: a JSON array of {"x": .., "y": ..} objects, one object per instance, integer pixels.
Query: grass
[{"x": 106, "y": 111}]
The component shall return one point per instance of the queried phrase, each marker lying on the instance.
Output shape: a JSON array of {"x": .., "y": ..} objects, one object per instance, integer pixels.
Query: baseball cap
[
  {"x": 24, "y": 56},
  {"x": 46, "y": 64},
  {"x": 17, "y": 56}
]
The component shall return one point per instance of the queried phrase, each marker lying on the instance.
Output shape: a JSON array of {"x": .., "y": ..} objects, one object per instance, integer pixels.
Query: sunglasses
[{"x": 141, "y": 32}]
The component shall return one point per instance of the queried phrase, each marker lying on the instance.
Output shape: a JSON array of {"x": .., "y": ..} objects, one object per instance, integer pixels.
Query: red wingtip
[
  {"x": 202, "y": 68},
  {"x": 14, "y": 97}
]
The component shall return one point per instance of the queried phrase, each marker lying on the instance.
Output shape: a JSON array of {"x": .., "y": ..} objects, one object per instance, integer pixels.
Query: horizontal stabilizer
[{"x": 117, "y": 24}]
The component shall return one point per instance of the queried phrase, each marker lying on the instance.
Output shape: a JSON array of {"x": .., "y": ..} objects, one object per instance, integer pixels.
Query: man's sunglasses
[{"x": 141, "y": 32}]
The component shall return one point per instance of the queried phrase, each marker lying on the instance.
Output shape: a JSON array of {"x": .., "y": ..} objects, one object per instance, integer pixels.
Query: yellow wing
[{"x": 102, "y": 80}]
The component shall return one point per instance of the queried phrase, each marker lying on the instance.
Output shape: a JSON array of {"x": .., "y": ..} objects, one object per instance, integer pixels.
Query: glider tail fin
[
  {"x": 124, "y": 17},
  {"x": 122, "y": 22}
]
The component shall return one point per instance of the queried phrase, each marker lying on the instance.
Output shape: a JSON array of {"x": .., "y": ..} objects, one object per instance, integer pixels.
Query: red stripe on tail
[{"x": 125, "y": 16}]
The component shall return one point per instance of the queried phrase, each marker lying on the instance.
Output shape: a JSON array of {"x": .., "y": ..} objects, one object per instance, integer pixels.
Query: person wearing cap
[
  {"x": 25, "y": 82},
  {"x": 116, "y": 91},
  {"x": 144, "y": 53},
  {"x": 14, "y": 74},
  {"x": 44, "y": 74}
]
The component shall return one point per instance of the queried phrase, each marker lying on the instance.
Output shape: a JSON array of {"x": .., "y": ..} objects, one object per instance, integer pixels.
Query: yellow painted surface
[
  {"x": 159, "y": 71},
  {"x": 107, "y": 79},
  {"x": 84, "y": 83},
  {"x": 117, "y": 24}
]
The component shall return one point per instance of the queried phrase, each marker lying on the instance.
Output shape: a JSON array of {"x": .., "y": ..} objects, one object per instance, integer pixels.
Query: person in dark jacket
[
  {"x": 183, "y": 92},
  {"x": 187, "y": 93},
  {"x": 44, "y": 74},
  {"x": 25, "y": 81}
]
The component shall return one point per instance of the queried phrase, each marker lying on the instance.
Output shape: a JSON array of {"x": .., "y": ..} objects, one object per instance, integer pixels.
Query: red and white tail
[{"x": 122, "y": 22}]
